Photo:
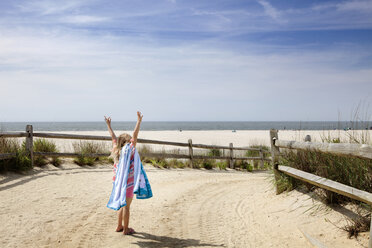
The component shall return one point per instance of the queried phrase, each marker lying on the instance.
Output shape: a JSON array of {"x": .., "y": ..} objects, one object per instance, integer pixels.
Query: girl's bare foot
[
  {"x": 129, "y": 231},
  {"x": 119, "y": 228}
]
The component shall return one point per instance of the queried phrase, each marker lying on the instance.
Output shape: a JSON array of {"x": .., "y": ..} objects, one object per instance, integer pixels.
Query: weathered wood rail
[
  {"x": 7, "y": 155},
  {"x": 358, "y": 150},
  {"x": 29, "y": 134}
]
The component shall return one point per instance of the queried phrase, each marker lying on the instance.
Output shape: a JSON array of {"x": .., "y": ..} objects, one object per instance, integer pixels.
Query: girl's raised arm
[
  {"x": 137, "y": 128},
  {"x": 108, "y": 122}
]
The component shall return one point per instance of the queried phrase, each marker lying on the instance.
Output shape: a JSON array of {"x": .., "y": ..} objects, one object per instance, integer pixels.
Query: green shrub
[
  {"x": 84, "y": 148},
  {"x": 146, "y": 160},
  {"x": 214, "y": 153},
  {"x": 196, "y": 163},
  {"x": 174, "y": 163},
  {"x": 285, "y": 183},
  {"x": 144, "y": 149},
  {"x": 222, "y": 165},
  {"x": 207, "y": 164},
  {"x": 20, "y": 162},
  {"x": 159, "y": 163},
  {"x": 44, "y": 145},
  {"x": 109, "y": 160},
  {"x": 267, "y": 165},
  {"x": 8, "y": 145},
  {"x": 257, "y": 153},
  {"x": 242, "y": 164}
]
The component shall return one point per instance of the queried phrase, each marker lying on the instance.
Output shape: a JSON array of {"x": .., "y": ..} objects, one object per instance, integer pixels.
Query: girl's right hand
[
  {"x": 108, "y": 120},
  {"x": 139, "y": 116}
]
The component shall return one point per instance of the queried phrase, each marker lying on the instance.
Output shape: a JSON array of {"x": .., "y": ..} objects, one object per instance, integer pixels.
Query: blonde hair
[{"x": 121, "y": 141}]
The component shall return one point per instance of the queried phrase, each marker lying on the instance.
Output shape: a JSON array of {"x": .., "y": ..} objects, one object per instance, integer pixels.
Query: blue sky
[{"x": 184, "y": 60}]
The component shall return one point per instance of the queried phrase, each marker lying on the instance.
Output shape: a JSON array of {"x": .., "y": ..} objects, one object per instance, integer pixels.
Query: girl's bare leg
[
  {"x": 127, "y": 215},
  {"x": 120, "y": 221}
]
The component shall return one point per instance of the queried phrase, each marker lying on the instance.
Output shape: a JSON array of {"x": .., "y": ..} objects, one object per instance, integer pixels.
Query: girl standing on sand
[{"x": 130, "y": 177}]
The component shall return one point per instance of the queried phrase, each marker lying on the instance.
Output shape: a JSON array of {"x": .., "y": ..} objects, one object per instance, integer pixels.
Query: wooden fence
[
  {"x": 363, "y": 151},
  {"x": 29, "y": 135}
]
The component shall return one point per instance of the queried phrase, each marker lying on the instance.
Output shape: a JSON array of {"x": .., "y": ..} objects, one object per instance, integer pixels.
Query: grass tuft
[
  {"x": 222, "y": 165},
  {"x": 44, "y": 145},
  {"x": 214, "y": 153},
  {"x": 243, "y": 165},
  {"x": 20, "y": 162},
  {"x": 88, "y": 147}
]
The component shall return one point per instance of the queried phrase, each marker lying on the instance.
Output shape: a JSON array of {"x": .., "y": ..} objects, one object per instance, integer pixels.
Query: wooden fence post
[
  {"x": 275, "y": 156},
  {"x": 231, "y": 156},
  {"x": 191, "y": 153},
  {"x": 30, "y": 143},
  {"x": 262, "y": 159}
]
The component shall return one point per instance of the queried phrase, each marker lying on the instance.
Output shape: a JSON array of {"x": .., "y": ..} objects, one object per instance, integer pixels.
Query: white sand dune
[{"x": 66, "y": 207}]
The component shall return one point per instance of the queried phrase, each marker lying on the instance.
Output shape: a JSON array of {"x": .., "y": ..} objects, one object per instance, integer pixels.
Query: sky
[{"x": 194, "y": 60}]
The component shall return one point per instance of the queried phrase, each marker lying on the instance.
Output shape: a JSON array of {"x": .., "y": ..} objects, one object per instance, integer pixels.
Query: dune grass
[
  {"x": 83, "y": 148},
  {"x": 44, "y": 145},
  {"x": 20, "y": 162},
  {"x": 349, "y": 170},
  {"x": 222, "y": 164},
  {"x": 214, "y": 153}
]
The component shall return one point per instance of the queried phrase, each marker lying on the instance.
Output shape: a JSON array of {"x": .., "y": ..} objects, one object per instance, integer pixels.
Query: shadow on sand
[
  {"x": 338, "y": 208},
  {"x": 33, "y": 175},
  {"x": 150, "y": 240}
]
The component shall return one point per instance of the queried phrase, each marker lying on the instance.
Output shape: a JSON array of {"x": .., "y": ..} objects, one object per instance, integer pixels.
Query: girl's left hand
[{"x": 108, "y": 120}]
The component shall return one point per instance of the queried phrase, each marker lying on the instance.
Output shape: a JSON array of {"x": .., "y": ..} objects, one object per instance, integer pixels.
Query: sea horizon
[{"x": 186, "y": 125}]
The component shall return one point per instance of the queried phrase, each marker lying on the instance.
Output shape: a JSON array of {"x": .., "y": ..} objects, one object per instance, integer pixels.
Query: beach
[{"x": 65, "y": 206}]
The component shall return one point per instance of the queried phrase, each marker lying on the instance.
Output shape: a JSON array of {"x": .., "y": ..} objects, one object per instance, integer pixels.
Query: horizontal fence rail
[
  {"x": 143, "y": 141},
  {"x": 7, "y": 155},
  {"x": 357, "y": 150},
  {"x": 70, "y": 136},
  {"x": 325, "y": 183},
  {"x": 29, "y": 134},
  {"x": 12, "y": 134},
  {"x": 108, "y": 138},
  {"x": 68, "y": 154}
]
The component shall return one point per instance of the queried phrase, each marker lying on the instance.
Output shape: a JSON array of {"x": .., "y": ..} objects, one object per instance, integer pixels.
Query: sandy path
[{"x": 190, "y": 208}]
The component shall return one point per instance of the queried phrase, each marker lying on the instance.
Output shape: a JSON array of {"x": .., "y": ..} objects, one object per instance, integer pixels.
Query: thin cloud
[
  {"x": 48, "y": 7},
  {"x": 219, "y": 15},
  {"x": 83, "y": 19},
  {"x": 270, "y": 10},
  {"x": 360, "y": 6}
]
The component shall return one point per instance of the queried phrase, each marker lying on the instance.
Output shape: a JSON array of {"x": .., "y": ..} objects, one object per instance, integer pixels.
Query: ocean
[{"x": 185, "y": 125}]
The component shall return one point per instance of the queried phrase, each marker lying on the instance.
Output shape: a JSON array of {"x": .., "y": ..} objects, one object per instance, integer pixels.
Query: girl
[{"x": 130, "y": 177}]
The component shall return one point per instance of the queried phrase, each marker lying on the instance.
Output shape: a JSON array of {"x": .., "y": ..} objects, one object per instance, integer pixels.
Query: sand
[{"x": 66, "y": 207}]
